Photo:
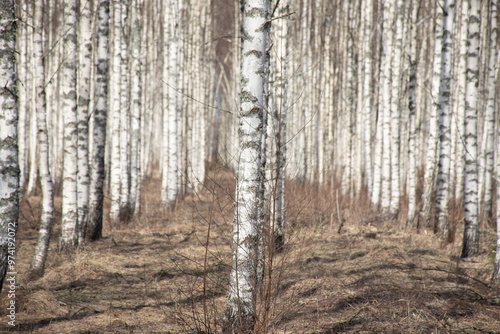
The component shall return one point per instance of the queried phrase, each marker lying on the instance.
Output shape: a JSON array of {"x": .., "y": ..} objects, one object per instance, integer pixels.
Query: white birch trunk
[
  {"x": 124, "y": 113},
  {"x": 471, "y": 223},
  {"x": 69, "y": 238},
  {"x": 279, "y": 116},
  {"x": 385, "y": 78},
  {"x": 9, "y": 168},
  {"x": 115, "y": 174},
  {"x": 395, "y": 109},
  {"x": 459, "y": 165},
  {"x": 136, "y": 104},
  {"x": 412, "y": 99},
  {"x": 425, "y": 220},
  {"x": 240, "y": 314},
  {"x": 96, "y": 193},
  {"x": 443, "y": 176},
  {"x": 489, "y": 121},
  {"x": 22, "y": 69},
  {"x": 84, "y": 77},
  {"x": 164, "y": 111},
  {"x": 496, "y": 269},
  {"x": 367, "y": 94},
  {"x": 47, "y": 217},
  {"x": 173, "y": 80},
  {"x": 30, "y": 101}
]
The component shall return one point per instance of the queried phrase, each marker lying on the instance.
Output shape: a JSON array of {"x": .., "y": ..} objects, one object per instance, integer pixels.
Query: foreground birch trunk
[
  {"x": 84, "y": 69},
  {"x": 471, "y": 225},
  {"x": 46, "y": 221},
  {"x": 68, "y": 238},
  {"x": 96, "y": 194},
  {"x": 240, "y": 308},
  {"x": 9, "y": 168},
  {"x": 444, "y": 122}
]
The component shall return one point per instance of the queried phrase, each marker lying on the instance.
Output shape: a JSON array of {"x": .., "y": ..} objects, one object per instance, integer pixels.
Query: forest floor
[{"x": 158, "y": 274}]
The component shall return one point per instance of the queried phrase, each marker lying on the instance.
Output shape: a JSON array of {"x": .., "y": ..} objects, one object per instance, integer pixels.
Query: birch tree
[
  {"x": 69, "y": 238},
  {"x": 22, "y": 69},
  {"x": 425, "y": 220},
  {"x": 124, "y": 111},
  {"x": 458, "y": 163},
  {"x": 367, "y": 105},
  {"x": 135, "y": 110},
  {"x": 46, "y": 221},
  {"x": 172, "y": 176},
  {"x": 395, "y": 109},
  {"x": 96, "y": 194},
  {"x": 9, "y": 168},
  {"x": 84, "y": 73},
  {"x": 471, "y": 223},
  {"x": 412, "y": 99},
  {"x": 240, "y": 316},
  {"x": 443, "y": 176},
  {"x": 115, "y": 174},
  {"x": 496, "y": 268},
  {"x": 278, "y": 135},
  {"x": 385, "y": 78},
  {"x": 489, "y": 121}
]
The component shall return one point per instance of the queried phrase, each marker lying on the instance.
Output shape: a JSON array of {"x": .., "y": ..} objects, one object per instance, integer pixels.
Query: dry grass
[{"x": 150, "y": 276}]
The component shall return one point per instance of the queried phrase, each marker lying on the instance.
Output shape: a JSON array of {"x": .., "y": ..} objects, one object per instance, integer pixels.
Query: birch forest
[{"x": 249, "y": 166}]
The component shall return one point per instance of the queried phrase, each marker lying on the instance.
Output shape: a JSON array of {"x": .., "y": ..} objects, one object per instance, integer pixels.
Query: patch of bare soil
[{"x": 167, "y": 272}]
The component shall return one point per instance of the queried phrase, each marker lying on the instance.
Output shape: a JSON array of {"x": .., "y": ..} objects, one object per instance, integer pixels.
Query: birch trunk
[
  {"x": 69, "y": 238},
  {"x": 136, "y": 103},
  {"x": 124, "y": 113},
  {"x": 367, "y": 94},
  {"x": 47, "y": 217},
  {"x": 9, "y": 168},
  {"x": 489, "y": 120},
  {"x": 84, "y": 76},
  {"x": 496, "y": 269},
  {"x": 460, "y": 105},
  {"x": 115, "y": 170},
  {"x": 173, "y": 80},
  {"x": 471, "y": 223},
  {"x": 164, "y": 97},
  {"x": 277, "y": 212},
  {"x": 412, "y": 99},
  {"x": 96, "y": 193},
  {"x": 22, "y": 69},
  {"x": 425, "y": 220},
  {"x": 395, "y": 110},
  {"x": 385, "y": 78},
  {"x": 30, "y": 102},
  {"x": 240, "y": 316},
  {"x": 443, "y": 176}
]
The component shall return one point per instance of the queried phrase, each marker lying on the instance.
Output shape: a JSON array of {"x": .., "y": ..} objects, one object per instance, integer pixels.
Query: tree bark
[
  {"x": 69, "y": 238},
  {"x": 47, "y": 217},
  {"x": 240, "y": 307},
  {"x": 471, "y": 223},
  {"x": 9, "y": 168},
  {"x": 96, "y": 191}
]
